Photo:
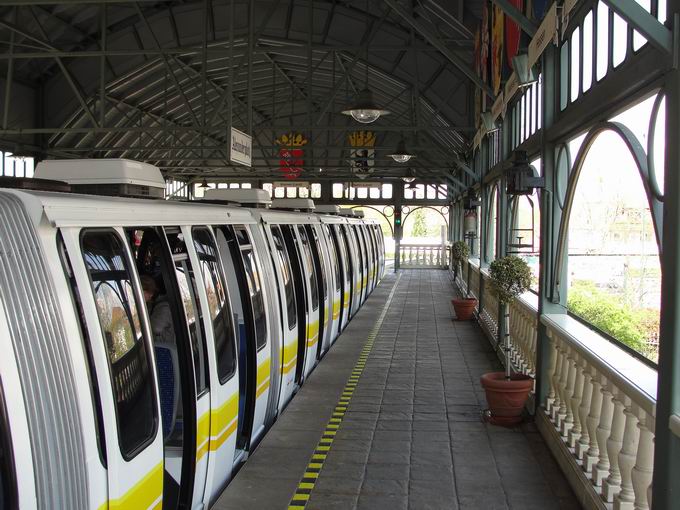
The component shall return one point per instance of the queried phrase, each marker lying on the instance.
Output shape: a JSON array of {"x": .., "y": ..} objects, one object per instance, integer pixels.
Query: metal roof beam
[{"x": 435, "y": 41}]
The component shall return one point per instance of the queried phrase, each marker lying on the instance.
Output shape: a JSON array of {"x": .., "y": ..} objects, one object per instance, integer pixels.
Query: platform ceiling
[{"x": 159, "y": 83}]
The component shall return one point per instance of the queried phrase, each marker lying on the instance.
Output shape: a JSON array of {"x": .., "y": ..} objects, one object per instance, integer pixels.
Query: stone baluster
[
  {"x": 584, "y": 441},
  {"x": 552, "y": 368},
  {"x": 644, "y": 462},
  {"x": 593, "y": 453},
  {"x": 575, "y": 433},
  {"x": 568, "y": 421},
  {"x": 625, "y": 499},
  {"x": 601, "y": 469},
  {"x": 612, "y": 485},
  {"x": 561, "y": 413}
]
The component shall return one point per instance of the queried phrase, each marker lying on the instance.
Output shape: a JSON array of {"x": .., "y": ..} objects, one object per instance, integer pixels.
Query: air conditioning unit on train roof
[
  {"x": 294, "y": 204},
  {"x": 246, "y": 197},
  {"x": 359, "y": 213},
  {"x": 346, "y": 211},
  {"x": 110, "y": 177},
  {"x": 328, "y": 209}
]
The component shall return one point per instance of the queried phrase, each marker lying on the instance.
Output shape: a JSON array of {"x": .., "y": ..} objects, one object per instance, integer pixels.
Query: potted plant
[
  {"x": 464, "y": 307},
  {"x": 506, "y": 393}
]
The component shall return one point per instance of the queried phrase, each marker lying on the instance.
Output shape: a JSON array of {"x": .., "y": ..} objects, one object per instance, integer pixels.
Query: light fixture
[
  {"x": 364, "y": 110},
  {"x": 489, "y": 123},
  {"x": 526, "y": 76},
  {"x": 204, "y": 184},
  {"x": 410, "y": 176},
  {"x": 401, "y": 155}
]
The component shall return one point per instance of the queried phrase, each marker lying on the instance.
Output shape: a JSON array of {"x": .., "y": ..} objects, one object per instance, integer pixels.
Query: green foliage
[
  {"x": 510, "y": 277},
  {"x": 419, "y": 224},
  {"x": 608, "y": 313},
  {"x": 460, "y": 251}
]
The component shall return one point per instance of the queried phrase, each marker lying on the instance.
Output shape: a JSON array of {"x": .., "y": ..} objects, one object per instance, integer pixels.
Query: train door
[
  {"x": 216, "y": 441},
  {"x": 170, "y": 293},
  {"x": 243, "y": 274},
  {"x": 361, "y": 250},
  {"x": 302, "y": 300},
  {"x": 320, "y": 268},
  {"x": 336, "y": 294},
  {"x": 196, "y": 316},
  {"x": 120, "y": 340},
  {"x": 289, "y": 314},
  {"x": 355, "y": 258},
  {"x": 315, "y": 298},
  {"x": 381, "y": 251},
  {"x": 370, "y": 240},
  {"x": 345, "y": 264}
]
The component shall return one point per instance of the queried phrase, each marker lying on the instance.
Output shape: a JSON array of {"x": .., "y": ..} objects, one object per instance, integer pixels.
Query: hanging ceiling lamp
[
  {"x": 401, "y": 155},
  {"x": 364, "y": 109},
  {"x": 204, "y": 184},
  {"x": 410, "y": 176}
]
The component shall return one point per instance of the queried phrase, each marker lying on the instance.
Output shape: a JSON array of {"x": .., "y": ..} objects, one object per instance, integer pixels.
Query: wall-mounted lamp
[
  {"x": 526, "y": 76},
  {"x": 489, "y": 123}
]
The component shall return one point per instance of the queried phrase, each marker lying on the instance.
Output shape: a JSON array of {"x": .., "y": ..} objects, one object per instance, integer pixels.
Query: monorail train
[{"x": 147, "y": 345}]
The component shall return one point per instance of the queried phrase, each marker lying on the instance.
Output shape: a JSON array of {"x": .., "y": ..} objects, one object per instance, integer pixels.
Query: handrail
[
  {"x": 609, "y": 360},
  {"x": 674, "y": 424}
]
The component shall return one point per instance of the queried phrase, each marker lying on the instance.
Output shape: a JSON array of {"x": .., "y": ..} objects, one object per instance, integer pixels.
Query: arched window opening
[
  {"x": 614, "y": 274},
  {"x": 492, "y": 231}
]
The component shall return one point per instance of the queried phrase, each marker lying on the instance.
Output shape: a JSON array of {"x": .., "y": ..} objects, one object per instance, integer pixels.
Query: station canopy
[{"x": 165, "y": 82}]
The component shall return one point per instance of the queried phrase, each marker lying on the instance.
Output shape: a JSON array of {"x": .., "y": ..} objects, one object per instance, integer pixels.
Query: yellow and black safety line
[{"x": 306, "y": 485}]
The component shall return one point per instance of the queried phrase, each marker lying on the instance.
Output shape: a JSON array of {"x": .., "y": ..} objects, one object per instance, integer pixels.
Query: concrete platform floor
[{"x": 412, "y": 436}]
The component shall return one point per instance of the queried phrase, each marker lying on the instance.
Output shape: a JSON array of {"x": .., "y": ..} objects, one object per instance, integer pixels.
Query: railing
[
  {"x": 423, "y": 256},
  {"x": 600, "y": 410}
]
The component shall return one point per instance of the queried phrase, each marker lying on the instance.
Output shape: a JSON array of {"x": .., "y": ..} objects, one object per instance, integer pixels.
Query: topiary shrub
[
  {"x": 510, "y": 277},
  {"x": 460, "y": 251}
]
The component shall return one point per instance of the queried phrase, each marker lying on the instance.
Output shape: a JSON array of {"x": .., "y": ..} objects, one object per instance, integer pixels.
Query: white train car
[{"x": 148, "y": 345}]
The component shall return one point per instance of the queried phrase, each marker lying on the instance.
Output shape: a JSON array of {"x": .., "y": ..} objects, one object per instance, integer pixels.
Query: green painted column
[
  {"x": 666, "y": 484},
  {"x": 549, "y": 220}
]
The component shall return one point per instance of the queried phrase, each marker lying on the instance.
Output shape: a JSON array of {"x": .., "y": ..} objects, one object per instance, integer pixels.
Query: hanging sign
[
  {"x": 511, "y": 87},
  {"x": 497, "y": 49},
  {"x": 362, "y": 156},
  {"x": 477, "y": 141},
  {"x": 498, "y": 107},
  {"x": 377, "y": 185},
  {"x": 241, "y": 147},
  {"x": 544, "y": 35},
  {"x": 291, "y": 154}
]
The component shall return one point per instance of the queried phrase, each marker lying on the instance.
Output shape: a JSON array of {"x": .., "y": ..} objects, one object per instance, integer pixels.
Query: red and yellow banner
[{"x": 291, "y": 154}]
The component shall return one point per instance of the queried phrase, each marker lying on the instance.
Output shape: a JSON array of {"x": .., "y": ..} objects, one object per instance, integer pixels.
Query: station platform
[{"x": 391, "y": 418}]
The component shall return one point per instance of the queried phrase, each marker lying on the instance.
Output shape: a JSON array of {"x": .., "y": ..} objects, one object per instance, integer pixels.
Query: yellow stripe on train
[
  {"x": 146, "y": 493},
  {"x": 263, "y": 372}
]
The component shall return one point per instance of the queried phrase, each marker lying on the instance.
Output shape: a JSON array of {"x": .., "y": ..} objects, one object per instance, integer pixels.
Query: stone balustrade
[
  {"x": 423, "y": 256},
  {"x": 601, "y": 400}
]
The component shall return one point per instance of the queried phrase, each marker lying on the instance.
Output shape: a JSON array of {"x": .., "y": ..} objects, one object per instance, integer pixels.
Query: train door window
[
  {"x": 8, "y": 480},
  {"x": 186, "y": 281},
  {"x": 87, "y": 348},
  {"x": 254, "y": 285},
  {"x": 310, "y": 264},
  {"x": 316, "y": 251},
  {"x": 118, "y": 311},
  {"x": 286, "y": 273},
  {"x": 334, "y": 256},
  {"x": 220, "y": 311}
]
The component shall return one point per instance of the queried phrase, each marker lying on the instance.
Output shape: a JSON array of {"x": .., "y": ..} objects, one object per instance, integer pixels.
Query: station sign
[
  {"x": 241, "y": 148},
  {"x": 291, "y": 184}
]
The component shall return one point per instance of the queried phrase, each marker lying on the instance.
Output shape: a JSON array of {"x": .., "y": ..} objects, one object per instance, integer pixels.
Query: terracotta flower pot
[
  {"x": 506, "y": 399},
  {"x": 464, "y": 308}
]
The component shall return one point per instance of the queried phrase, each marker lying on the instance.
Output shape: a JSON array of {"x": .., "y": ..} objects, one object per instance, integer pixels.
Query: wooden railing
[
  {"x": 423, "y": 256},
  {"x": 600, "y": 410}
]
